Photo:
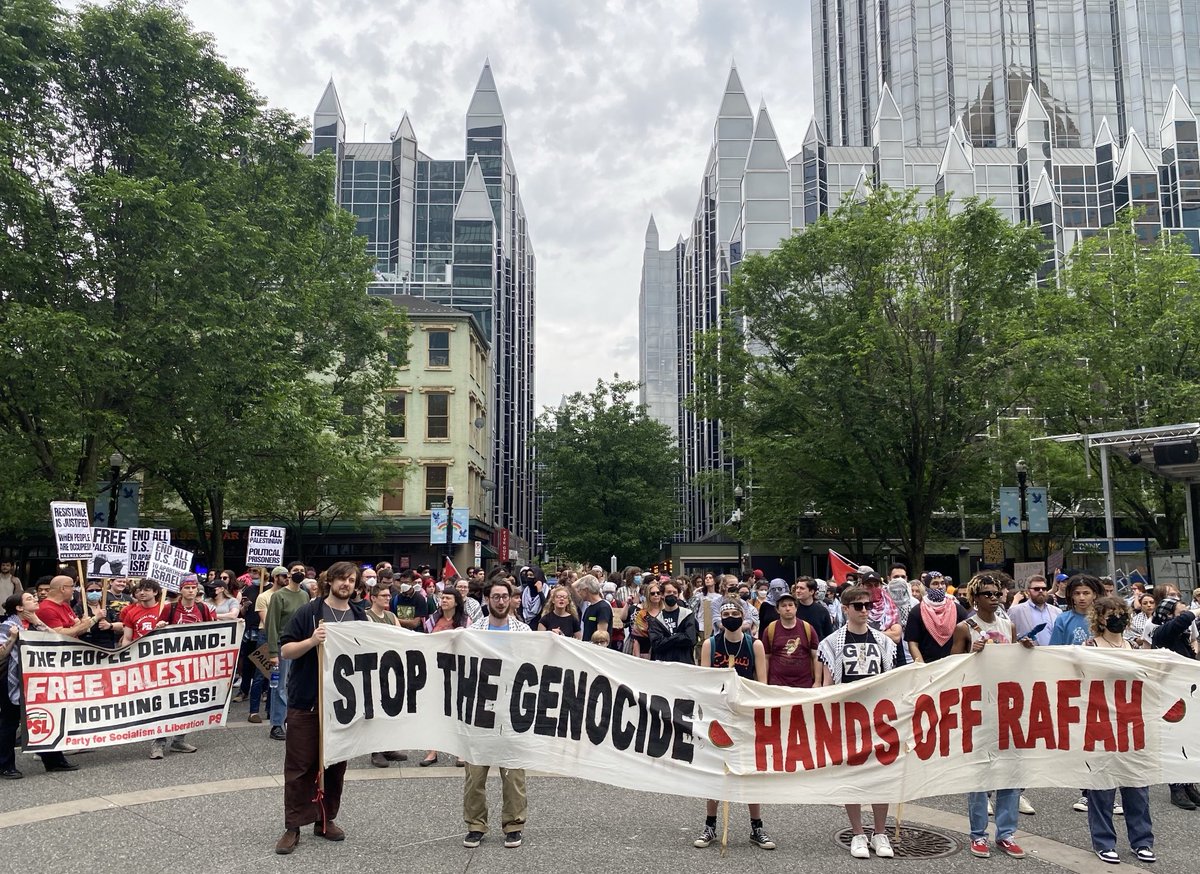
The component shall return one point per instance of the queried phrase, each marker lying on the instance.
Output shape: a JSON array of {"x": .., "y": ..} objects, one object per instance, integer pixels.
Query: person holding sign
[
  {"x": 734, "y": 648},
  {"x": 144, "y": 614},
  {"x": 58, "y": 614},
  {"x": 310, "y": 795}
]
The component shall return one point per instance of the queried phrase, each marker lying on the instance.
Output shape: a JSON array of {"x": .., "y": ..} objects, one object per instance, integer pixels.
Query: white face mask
[{"x": 405, "y": 588}]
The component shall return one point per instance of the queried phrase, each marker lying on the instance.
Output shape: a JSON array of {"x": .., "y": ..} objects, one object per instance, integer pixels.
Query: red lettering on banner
[
  {"x": 947, "y": 719},
  {"x": 1098, "y": 728},
  {"x": 829, "y": 734},
  {"x": 798, "y": 749},
  {"x": 971, "y": 717},
  {"x": 1131, "y": 727},
  {"x": 1010, "y": 705},
  {"x": 858, "y": 733},
  {"x": 885, "y": 715},
  {"x": 923, "y": 735},
  {"x": 1041, "y": 722},
  {"x": 1068, "y": 713},
  {"x": 768, "y": 735}
]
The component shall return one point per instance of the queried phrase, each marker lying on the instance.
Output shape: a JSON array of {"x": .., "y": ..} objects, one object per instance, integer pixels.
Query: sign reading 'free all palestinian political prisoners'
[
  {"x": 1005, "y": 716},
  {"x": 169, "y": 565},
  {"x": 264, "y": 546},
  {"x": 72, "y": 530},
  {"x": 173, "y": 680}
]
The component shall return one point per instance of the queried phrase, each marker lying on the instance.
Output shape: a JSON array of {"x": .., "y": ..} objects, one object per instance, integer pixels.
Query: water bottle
[{"x": 274, "y": 681}]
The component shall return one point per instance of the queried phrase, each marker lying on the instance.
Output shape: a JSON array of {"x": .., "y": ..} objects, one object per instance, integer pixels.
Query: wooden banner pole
[
  {"x": 104, "y": 598},
  {"x": 320, "y": 712}
]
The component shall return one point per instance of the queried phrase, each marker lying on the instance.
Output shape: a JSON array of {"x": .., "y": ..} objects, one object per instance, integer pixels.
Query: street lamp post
[
  {"x": 738, "y": 496},
  {"x": 449, "y": 526},
  {"x": 1022, "y": 489},
  {"x": 114, "y": 483}
]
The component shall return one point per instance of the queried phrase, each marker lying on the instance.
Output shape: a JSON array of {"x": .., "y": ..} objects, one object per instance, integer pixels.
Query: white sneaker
[
  {"x": 1025, "y": 807},
  {"x": 1081, "y": 805},
  {"x": 1118, "y": 810},
  {"x": 859, "y": 848},
  {"x": 882, "y": 846}
]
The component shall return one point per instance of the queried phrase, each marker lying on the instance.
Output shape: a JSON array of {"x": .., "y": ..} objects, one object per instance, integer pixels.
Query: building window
[
  {"x": 395, "y": 415},
  {"x": 439, "y": 348},
  {"x": 437, "y": 415},
  {"x": 393, "y": 496},
  {"x": 435, "y": 485}
]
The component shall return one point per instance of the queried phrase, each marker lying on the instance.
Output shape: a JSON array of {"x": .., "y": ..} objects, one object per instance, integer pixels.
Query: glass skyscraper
[
  {"x": 454, "y": 232},
  {"x": 974, "y": 60}
]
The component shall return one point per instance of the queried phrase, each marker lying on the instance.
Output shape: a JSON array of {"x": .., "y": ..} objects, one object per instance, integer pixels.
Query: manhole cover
[{"x": 914, "y": 842}]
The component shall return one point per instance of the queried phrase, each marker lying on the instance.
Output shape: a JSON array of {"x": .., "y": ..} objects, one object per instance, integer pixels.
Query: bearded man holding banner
[{"x": 308, "y": 794}]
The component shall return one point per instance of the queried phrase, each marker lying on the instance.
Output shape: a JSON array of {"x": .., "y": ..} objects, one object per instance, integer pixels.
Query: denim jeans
[
  {"x": 1006, "y": 813},
  {"x": 279, "y": 695},
  {"x": 1136, "y": 801}
]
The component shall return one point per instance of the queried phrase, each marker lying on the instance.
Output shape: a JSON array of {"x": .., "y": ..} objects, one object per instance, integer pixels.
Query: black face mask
[
  {"x": 298, "y": 577},
  {"x": 731, "y": 623},
  {"x": 1116, "y": 623},
  {"x": 670, "y": 600},
  {"x": 745, "y": 596}
]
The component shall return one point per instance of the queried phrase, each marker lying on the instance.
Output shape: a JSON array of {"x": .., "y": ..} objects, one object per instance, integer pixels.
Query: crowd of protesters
[{"x": 807, "y": 634}]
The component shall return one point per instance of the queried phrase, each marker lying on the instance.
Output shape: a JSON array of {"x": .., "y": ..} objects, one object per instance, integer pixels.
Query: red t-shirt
[
  {"x": 140, "y": 619},
  {"x": 56, "y": 615},
  {"x": 177, "y": 615},
  {"x": 790, "y": 651}
]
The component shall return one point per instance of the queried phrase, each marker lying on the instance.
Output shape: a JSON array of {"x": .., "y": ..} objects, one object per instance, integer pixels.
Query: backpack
[
  {"x": 206, "y": 613},
  {"x": 809, "y": 634}
]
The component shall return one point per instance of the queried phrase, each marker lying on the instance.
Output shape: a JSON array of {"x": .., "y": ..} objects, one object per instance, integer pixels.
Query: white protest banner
[
  {"x": 72, "y": 530},
  {"x": 169, "y": 565},
  {"x": 141, "y": 540},
  {"x": 1006, "y": 716},
  {"x": 110, "y": 552},
  {"x": 264, "y": 546},
  {"x": 173, "y": 680}
]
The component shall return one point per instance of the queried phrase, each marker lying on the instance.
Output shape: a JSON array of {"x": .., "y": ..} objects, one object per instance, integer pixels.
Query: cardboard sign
[
  {"x": 173, "y": 680},
  {"x": 169, "y": 565},
  {"x": 261, "y": 659},
  {"x": 1005, "y": 716},
  {"x": 141, "y": 541},
  {"x": 264, "y": 547},
  {"x": 110, "y": 553},
  {"x": 72, "y": 530}
]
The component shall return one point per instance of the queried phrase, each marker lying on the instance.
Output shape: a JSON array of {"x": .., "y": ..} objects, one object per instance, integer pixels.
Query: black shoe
[
  {"x": 512, "y": 840},
  {"x": 277, "y": 733},
  {"x": 471, "y": 841},
  {"x": 67, "y": 766},
  {"x": 11, "y": 774},
  {"x": 1192, "y": 792},
  {"x": 1179, "y": 797}
]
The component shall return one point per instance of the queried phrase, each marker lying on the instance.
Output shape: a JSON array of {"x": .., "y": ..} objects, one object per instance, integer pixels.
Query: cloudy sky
[{"x": 610, "y": 107}]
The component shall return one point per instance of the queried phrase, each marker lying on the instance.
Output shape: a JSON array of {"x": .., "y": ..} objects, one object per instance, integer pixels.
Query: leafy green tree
[
  {"x": 861, "y": 361},
  {"x": 608, "y": 473}
]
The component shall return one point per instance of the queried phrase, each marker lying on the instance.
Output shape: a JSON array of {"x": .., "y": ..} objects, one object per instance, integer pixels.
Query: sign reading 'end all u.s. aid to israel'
[{"x": 1006, "y": 716}]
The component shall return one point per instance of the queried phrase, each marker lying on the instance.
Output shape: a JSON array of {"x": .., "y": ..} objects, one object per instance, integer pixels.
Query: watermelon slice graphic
[
  {"x": 1175, "y": 714},
  {"x": 719, "y": 736}
]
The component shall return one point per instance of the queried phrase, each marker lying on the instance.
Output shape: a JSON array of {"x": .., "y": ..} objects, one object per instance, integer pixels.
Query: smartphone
[{"x": 1033, "y": 632}]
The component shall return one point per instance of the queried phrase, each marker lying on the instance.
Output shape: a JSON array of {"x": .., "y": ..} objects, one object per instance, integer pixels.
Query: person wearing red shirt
[
  {"x": 186, "y": 611},
  {"x": 56, "y": 611},
  {"x": 144, "y": 614}
]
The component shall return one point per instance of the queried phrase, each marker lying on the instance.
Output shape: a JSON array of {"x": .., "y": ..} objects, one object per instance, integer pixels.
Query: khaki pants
[{"x": 475, "y": 803}]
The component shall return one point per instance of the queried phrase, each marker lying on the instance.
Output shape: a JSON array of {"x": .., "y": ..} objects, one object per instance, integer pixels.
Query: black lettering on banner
[
  {"x": 523, "y": 705},
  {"x": 640, "y": 743},
  {"x": 547, "y": 723},
  {"x": 391, "y": 677},
  {"x": 468, "y": 679},
  {"x": 681, "y": 716},
  {"x": 365, "y": 663},
  {"x": 659, "y": 740},
  {"x": 344, "y": 710},
  {"x": 445, "y": 661},
  {"x": 622, "y": 735},
  {"x": 570, "y": 714},
  {"x": 415, "y": 677},
  {"x": 600, "y": 695},
  {"x": 487, "y": 693}
]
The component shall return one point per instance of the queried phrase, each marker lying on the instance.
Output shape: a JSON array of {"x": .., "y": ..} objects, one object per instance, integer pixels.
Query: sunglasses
[
  {"x": 1038, "y": 589},
  {"x": 860, "y": 605},
  {"x": 988, "y": 594},
  {"x": 655, "y": 592}
]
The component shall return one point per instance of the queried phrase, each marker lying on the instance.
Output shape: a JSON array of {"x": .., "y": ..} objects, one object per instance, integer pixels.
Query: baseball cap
[
  {"x": 279, "y": 571},
  {"x": 870, "y": 576},
  {"x": 190, "y": 580},
  {"x": 758, "y": 575},
  {"x": 785, "y": 596}
]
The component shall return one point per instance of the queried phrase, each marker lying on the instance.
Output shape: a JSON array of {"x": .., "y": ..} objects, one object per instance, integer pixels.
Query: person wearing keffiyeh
[
  {"x": 929, "y": 632},
  {"x": 883, "y": 614}
]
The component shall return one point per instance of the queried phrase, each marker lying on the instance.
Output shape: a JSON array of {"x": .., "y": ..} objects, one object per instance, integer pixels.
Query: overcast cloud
[{"x": 610, "y": 109}]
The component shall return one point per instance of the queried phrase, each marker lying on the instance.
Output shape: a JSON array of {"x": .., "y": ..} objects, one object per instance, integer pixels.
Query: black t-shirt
[
  {"x": 302, "y": 673},
  {"x": 766, "y": 615},
  {"x": 568, "y": 624},
  {"x": 250, "y": 594},
  {"x": 593, "y": 615},
  {"x": 916, "y": 632},
  {"x": 817, "y": 615},
  {"x": 861, "y": 657},
  {"x": 410, "y": 606}
]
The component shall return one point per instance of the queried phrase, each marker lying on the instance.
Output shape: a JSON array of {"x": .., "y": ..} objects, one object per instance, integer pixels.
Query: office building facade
[
  {"x": 1069, "y": 192},
  {"x": 975, "y": 60},
  {"x": 454, "y": 232}
]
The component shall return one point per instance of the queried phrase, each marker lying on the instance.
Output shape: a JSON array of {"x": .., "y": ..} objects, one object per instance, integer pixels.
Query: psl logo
[{"x": 39, "y": 722}]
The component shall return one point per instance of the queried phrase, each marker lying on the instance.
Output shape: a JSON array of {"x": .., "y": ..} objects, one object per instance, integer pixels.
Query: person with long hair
[
  {"x": 1144, "y": 607},
  {"x": 560, "y": 614},
  {"x": 1108, "y": 618},
  {"x": 642, "y": 618},
  {"x": 451, "y": 615}
]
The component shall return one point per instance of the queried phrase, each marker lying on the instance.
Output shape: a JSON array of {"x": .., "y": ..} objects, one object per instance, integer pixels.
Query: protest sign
[
  {"x": 110, "y": 552},
  {"x": 1023, "y": 570},
  {"x": 1006, "y": 716},
  {"x": 169, "y": 565},
  {"x": 140, "y": 542},
  {"x": 173, "y": 680},
  {"x": 72, "y": 530},
  {"x": 264, "y": 546},
  {"x": 261, "y": 659}
]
